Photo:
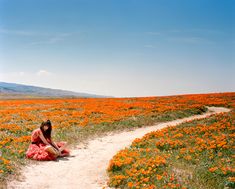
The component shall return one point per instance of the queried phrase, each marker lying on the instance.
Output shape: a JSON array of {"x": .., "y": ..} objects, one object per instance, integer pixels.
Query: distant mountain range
[{"x": 13, "y": 90}]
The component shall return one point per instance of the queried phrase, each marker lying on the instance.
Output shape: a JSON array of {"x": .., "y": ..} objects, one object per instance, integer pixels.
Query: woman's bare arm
[
  {"x": 43, "y": 139},
  {"x": 55, "y": 145}
]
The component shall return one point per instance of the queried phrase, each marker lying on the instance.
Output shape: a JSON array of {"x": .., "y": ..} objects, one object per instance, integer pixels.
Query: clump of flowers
[{"x": 174, "y": 157}]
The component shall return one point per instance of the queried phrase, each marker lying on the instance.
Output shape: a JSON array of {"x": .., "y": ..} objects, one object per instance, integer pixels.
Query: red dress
[{"x": 37, "y": 150}]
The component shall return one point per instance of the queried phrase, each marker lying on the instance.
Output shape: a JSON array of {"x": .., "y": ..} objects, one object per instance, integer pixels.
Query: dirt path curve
[{"x": 86, "y": 169}]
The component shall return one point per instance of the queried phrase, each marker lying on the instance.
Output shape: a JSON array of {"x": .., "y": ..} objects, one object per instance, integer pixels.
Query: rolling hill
[{"x": 13, "y": 90}]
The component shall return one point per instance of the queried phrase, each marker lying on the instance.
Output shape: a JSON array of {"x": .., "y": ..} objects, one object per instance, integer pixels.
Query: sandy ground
[{"x": 86, "y": 168}]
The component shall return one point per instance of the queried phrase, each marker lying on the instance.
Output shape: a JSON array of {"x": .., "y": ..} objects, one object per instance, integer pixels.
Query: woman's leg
[
  {"x": 52, "y": 150},
  {"x": 63, "y": 147}
]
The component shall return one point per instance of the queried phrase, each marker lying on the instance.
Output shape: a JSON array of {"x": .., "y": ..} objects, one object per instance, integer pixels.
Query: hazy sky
[{"x": 119, "y": 47}]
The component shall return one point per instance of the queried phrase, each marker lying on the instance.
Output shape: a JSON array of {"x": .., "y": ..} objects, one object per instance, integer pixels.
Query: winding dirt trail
[{"x": 86, "y": 168}]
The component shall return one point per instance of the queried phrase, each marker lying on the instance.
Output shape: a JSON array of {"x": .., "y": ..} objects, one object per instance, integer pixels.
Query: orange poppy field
[
  {"x": 73, "y": 118},
  {"x": 196, "y": 154}
]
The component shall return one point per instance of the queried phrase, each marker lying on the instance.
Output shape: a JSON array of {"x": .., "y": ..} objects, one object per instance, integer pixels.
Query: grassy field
[
  {"x": 196, "y": 154},
  {"x": 78, "y": 120}
]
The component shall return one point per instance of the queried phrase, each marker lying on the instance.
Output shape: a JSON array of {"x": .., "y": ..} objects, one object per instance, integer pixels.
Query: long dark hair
[{"x": 47, "y": 133}]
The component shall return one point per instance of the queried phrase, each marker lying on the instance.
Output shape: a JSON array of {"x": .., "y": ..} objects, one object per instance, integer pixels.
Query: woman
[{"x": 42, "y": 147}]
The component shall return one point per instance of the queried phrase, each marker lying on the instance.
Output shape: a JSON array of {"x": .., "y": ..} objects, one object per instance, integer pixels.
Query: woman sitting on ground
[{"x": 42, "y": 147}]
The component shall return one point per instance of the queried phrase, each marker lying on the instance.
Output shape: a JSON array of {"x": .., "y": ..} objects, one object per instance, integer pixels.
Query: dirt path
[{"x": 86, "y": 169}]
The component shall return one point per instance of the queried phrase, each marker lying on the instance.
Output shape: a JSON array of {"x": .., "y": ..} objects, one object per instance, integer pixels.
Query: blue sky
[{"x": 119, "y": 47}]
